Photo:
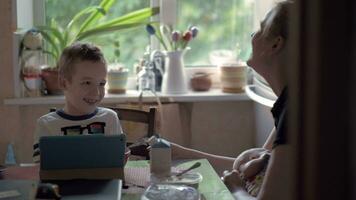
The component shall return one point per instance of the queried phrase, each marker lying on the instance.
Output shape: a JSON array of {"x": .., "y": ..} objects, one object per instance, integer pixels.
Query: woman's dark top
[{"x": 279, "y": 112}]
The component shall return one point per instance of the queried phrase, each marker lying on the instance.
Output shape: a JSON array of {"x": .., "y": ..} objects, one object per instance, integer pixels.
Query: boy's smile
[{"x": 86, "y": 88}]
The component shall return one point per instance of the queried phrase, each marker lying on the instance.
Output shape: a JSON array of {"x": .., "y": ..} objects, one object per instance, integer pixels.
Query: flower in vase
[
  {"x": 194, "y": 31},
  {"x": 173, "y": 40},
  {"x": 187, "y": 36}
]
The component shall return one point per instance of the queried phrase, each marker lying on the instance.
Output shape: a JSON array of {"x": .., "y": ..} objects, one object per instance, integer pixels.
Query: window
[
  {"x": 222, "y": 25},
  {"x": 132, "y": 42}
]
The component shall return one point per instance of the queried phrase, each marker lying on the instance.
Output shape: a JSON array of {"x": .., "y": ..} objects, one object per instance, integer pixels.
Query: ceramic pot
[
  {"x": 233, "y": 78},
  {"x": 200, "y": 81},
  {"x": 117, "y": 81}
]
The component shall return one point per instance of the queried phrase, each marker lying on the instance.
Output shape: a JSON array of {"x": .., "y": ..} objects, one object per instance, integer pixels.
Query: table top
[{"x": 211, "y": 186}]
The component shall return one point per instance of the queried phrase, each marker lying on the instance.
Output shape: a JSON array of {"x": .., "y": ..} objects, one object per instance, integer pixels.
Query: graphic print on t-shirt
[{"x": 92, "y": 128}]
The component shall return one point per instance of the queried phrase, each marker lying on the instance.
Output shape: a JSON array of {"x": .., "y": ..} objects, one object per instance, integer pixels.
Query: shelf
[{"x": 133, "y": 96}]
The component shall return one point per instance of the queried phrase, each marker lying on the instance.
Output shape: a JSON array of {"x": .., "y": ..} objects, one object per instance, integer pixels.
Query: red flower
[{"x": 187, "y": 36}]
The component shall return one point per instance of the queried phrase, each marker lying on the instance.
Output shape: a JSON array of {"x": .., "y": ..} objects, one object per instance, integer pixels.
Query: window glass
[
  {"x": 222, "y": 25},
  {"x": 132, "y": 42}
]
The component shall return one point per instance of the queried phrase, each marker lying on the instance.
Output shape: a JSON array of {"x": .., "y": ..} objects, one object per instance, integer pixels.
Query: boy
[{"x": 82, "y": 76}]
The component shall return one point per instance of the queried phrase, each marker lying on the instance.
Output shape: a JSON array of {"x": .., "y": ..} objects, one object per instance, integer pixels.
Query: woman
[{"x": 269, "y": 50}]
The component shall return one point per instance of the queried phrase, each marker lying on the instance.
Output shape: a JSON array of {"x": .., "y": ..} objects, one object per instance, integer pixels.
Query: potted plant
[
  {"x": 117, "y": 73},
  {"x": 58, "y": 38}
]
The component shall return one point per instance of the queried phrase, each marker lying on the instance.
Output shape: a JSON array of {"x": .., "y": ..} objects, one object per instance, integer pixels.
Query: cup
[
  {"x": 117, "y": 80},
  {"x": 233, "y": 77}
]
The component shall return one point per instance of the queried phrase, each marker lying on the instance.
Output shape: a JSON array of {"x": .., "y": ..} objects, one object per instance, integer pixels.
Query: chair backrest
[{"x": 140, "y": 116}]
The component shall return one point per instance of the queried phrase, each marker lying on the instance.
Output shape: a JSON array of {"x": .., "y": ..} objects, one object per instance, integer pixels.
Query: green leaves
[
  {"x": 83, "y": 13},
  {"x": 86, "y": 24},
  {"x": 93, "y": 18},
  {"x": 108, "y": 29},
  {"x": 130, "y": 20}
]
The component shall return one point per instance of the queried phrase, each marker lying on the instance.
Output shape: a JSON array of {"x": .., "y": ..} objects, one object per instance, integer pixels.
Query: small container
[
  {"x": 200, "y": 81},
  {"x": 161, "y": 158},
  {"x": 146, "y": 79},
  {"x": 191, "y": 179},
  {"x": 117, "y": 79}
]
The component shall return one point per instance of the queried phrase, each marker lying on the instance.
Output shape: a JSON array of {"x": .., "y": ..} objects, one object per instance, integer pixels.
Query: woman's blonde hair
[
  {"x": 75, "y": 53},
  {"x": 279, "y": 16}
]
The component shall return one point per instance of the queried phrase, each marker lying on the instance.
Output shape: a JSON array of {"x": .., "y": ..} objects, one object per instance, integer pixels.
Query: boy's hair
[{"x": 75, "y": 53}]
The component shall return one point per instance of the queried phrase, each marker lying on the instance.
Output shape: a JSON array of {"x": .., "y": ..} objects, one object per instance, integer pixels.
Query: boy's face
[{"x": 86, "y": 88}]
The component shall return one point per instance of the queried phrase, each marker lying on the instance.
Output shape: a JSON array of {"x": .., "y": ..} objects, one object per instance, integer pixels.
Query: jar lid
[{"x": 161, "y": 143}]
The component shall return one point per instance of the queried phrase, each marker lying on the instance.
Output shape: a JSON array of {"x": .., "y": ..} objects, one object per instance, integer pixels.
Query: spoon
[{"x": 196, "y": 165}]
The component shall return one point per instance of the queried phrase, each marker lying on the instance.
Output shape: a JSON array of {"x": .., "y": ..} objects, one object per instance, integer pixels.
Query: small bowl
[
  {"x": 191, "y": 179},
  {"x": 200, "y": 81}
]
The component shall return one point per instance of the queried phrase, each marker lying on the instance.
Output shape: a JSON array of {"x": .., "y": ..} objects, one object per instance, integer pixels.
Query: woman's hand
[{"x": 232, "y": 180}]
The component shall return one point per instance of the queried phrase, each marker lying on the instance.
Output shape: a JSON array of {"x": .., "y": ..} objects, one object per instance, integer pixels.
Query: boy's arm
[
  {"x": 117, "y": 125},
  {"x": 40, "y": 130},
  {"x": 219, "y": 163},
  {"x": 113, "y": 123}
]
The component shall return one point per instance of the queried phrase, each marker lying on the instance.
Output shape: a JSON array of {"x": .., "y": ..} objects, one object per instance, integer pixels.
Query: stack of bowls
[{"x": 233, "y": 77}]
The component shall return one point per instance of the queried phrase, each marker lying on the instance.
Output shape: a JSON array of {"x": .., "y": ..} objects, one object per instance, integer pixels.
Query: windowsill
[{"x": 133, "y": 96}]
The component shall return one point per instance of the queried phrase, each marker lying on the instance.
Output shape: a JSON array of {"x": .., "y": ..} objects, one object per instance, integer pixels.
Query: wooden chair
[{"x": 138, "y": 116}]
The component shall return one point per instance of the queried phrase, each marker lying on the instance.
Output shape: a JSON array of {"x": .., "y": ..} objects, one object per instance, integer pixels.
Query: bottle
[
  {"x": 10, "y": 155},
  {"x": 158, "y": 60},
  {"x": 146, "y": 78},
  {"x": 161, "y": 158},
  {"x": 32, "y": 62}
]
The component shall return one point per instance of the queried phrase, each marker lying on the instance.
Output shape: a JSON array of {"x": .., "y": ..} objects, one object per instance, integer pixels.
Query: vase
[{"x": 174, "y": 78}]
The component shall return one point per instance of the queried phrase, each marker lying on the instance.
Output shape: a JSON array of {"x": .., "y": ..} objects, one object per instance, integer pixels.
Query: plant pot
[
  {"x": 233, "y": 77},
  {"x": 51, "y": 79},
  {"x": 117, "y": 81}
]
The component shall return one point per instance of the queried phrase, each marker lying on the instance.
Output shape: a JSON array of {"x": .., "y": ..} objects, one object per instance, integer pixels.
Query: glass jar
[{"x": 146, "y": 79}]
